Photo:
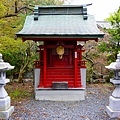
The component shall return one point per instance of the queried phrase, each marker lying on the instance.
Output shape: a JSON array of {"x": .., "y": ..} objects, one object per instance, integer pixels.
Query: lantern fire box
[{"x": 60, "y": 73}]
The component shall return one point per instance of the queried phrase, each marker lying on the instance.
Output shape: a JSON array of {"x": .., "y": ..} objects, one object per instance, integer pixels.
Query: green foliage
[
  {"x": 114, "y": 19},
  {"x": 17, "y": 53},
  {"x": 42, "y": 2},
  {"x": 102, "y": 46},
  {"x": 112, "y": 47},
  {"x": 10, "y": 49},
  {"x": 15, "y": 94},
  {"x": 6, "y": 7},
  {"x": 10, "y": 25},
  {"x": 18, "y": 94},
  {"x": 3, "y": 9}
]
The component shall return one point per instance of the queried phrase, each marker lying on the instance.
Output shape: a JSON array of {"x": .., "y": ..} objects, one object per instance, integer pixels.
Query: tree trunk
[
  {"x": 20, "y": 77},
  {"x": 16, "y": 10}
]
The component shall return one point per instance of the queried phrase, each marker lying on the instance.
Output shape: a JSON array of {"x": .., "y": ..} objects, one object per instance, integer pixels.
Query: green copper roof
[{"x": 66, "y": 25}]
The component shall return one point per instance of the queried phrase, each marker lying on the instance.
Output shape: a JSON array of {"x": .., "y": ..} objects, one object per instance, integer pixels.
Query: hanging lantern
[{"x": 60, "y": 51}]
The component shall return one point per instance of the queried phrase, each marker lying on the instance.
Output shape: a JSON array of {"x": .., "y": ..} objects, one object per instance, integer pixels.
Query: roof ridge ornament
[
  {"x": 36, "y": 12},
  {"x": 85, "y": 16},
  {"x": 61, "y": 10}
]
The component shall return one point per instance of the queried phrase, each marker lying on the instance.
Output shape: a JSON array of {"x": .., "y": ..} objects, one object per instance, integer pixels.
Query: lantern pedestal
[
  {"x": 113, "y": 109},
  {"x": 5, "y": 107}
]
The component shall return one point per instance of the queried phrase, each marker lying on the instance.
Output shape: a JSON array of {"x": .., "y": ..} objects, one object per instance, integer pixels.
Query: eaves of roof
[
  {"x": 104, "y": 24},
  {"x": 60, "y": 26}
]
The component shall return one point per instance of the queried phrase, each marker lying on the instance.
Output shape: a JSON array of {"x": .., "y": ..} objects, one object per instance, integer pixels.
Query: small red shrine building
[{"x": 60, "y": 73}]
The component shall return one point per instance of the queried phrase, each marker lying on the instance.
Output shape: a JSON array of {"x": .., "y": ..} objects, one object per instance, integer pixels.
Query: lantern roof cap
[
  {"x": 115, "y": 65},
  {"x": 4, "y": 65}
]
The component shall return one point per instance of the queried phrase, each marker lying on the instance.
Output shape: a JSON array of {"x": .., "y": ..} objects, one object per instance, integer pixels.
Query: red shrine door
[
  {"x": 60, "y": 70},
  {"x": 53, "y": 59}
]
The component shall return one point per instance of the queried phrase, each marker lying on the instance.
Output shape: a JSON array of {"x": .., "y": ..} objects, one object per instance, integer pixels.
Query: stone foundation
[
  {"x": 113, "y": 109},
  {"x": 60, "y": 94}
]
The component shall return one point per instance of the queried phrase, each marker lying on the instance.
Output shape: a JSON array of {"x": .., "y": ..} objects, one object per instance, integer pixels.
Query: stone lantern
[
  {"x": 113, "y": 109},
  {"x": 5, "y": 107}
]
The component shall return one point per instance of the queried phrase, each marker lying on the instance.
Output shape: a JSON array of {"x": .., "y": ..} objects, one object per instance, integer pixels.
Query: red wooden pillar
[
  {"x": 75, "y": 68},
  {"x": 44, "y": 67}
]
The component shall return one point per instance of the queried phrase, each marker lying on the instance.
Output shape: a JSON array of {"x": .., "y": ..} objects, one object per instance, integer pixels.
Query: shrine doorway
[{"x": 53, "y": 59}]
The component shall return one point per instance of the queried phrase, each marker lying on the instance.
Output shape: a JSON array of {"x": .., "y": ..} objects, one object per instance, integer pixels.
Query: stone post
[
  {"x": 113, "y": 109},
  {"x": 5, "y": 107}
]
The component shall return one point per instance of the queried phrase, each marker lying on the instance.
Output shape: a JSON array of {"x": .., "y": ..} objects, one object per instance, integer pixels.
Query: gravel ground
[{"x": 93, "y": 108}]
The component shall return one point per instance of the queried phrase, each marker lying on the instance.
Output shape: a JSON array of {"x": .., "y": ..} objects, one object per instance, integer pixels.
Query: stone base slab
[
  {"x": 6, "y": 114},
  {"x": 112, "y": 113},
  {"x": 60, "y": 95},
  {"x": 114, "y": 103},
  {"x": 113, "y": 109}
]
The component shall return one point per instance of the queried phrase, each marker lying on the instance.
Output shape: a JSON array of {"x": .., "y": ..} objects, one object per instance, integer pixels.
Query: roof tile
[{"x": 47, "y": 25}]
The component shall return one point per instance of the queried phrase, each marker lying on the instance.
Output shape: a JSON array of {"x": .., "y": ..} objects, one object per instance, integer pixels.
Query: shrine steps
[{"x": 58, "y": 75}]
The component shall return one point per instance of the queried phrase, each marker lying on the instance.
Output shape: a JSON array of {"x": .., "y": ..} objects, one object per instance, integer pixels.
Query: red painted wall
[{"x": 55, "y": 69}]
